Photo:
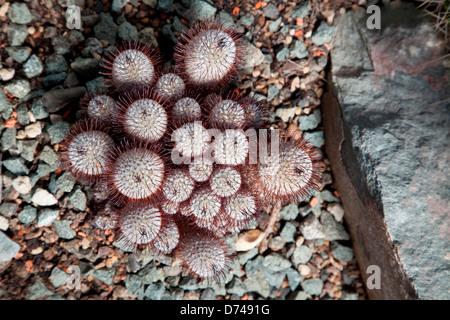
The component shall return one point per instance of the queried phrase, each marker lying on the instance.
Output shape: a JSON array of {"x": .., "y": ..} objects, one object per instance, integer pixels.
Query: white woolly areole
[
  {"x": 106, "y": 218},
  {"x": 140, "y": 225},
  {"x": 138, "y": 173},
  {"x": 209, "y": 56},
  {"x": 169, "y": 207},
  {"x": 287, "y": 174},
  {"x": 145, "y": 119},
  {"x": 200, "y": 169},
  {"x": 133, "y": 67},
  {"x": 187, "y": 109},
  {"x": 228, "y": 114},
  {"x": 191, "y": 139},
  {"x": 225, "y": 181},
  {"x": 89, "y": 151},
  {"x": 205, "y": 205},
  {"x": 170, "y": 85},
  {"x": 231, "y": 147},
  {"x": 178, "y": 186},
  {"x": 102, "y": 107}
]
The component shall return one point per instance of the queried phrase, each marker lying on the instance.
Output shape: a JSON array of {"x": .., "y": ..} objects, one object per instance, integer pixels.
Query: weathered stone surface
[{"x": 386, "y": 124}]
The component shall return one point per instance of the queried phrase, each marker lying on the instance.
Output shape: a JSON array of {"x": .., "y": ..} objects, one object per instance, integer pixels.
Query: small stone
[
  {"x": 57, "y": 99},
  {"x": 43, "y": 198},
  {"x": 313, "y": 286},
  {"x": 55, "y": 63},
  {"x": 276, "y": 243},
  {"x": 165, "y": 6},
  {"x": 336, "y": 210},
  {"x": 148, "y": 35},
  {"x": 323, "y": 34},
  {"x": 61, "y": 45},
  {"x": 310, "y": 121},
  {"x": 78, "y": 200},
  {"x": 300, "y": 295},
  {"x": 46, "y": 217},
  {"x": 4, "y": 223},
  {"x": 332, "y": 229},
  {"x": 33, "y": 67},
  {"x": 247, "y": 19},
  {"x": 17, "y": 33},
  {"x": 288, "y": 232},
  {"x": 254, "y": 56},
  {"x": 38, "y": 290},
  {"x": 311, "y": 228},
  {"x": 298, "y": 49},
  {"x": 282, "y": 54},
  {"x": 38, "y": 110},
  {"x": 16, "y": 165},
  {"x": 18, "y": 88},
  {"x": 127, "y": 31},
  {"x": 105, "y": 275},
  {"x": 19, "y": 54},
  {"x": 58, "y": 277},
  {"x": 285, "y": 113},
  {"x": 8, "y": 138},
  {"x": 27, "y": 215},
  {"x": 301, "y": 10},
  {"x": 276, "y": 262},
  {"x": 33, "y": 130},
  {"x": 19, "y": 13},
  {"x": 28, "y": 149},
  {"x": 294, "y": 278},
  {"x": 118, "y": 4},
  {"x": 290, "y": 212},
  {"x": 7, "y": 74},
  {"x": 272, "y": 92},
  {"x": 200, "y": 10},
  {"x": 155, "y": 291},
  {"x": 271, "y": 11},
  {"x": 95, "y": 85},
  {"x": 316, "y": 138},
  {"x": 64, "y": 230},
  {"x": 7, "y": 209},
  {"x": 257, "y": 283},
  {"x": 275, "y": 25},
  {"x": 106, "y": 29},
  {"x": 341, "y": 252},
  {"x": 237, "y": 287},
  {"x": 58, "y": 131},
  {"x": 301, "y": 255},
  {"x": 48, "y": 155},
  {"x": 66, "y": 182},
  {"x": 8, "y": 248},
  {"x": 327, "y": 196},
  {"x": 23, "y": 116},
  {"x": 22, "y": 184}
]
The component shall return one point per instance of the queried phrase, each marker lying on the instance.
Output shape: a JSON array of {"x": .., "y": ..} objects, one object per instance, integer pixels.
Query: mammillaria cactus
[{"x": 179, "y": 169}]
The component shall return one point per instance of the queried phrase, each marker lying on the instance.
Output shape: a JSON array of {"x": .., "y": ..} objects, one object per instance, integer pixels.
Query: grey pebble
[
  {"x": 8, "y": 208},
  {"x": 323, "y": 34},
  {"x": 33, "y": 67},
  {"x": 275, "y": 25},
  {"x": 65, "y": 182},
  {"x": 312, "y": 286},
  {"x": 118, "y": 4},
  {"x": 299, "y": 295},
  {"x": 237, "y": 287},
  {"x": 288, "y": 232},
  {"x": 341, "y": 252},
  {"x": 86, "y": 67},
  {"x": 61, "y": 45},
  {"x": 298, "y": 49},
  {"x": 19, "y": 13},
  {"x": 58, "y": 131},
  {"x": 165, "y": 6},
  {"x": 8, "y": 248},
  {"x": 27, "y": 215},
  {"x": 22, "y": 114},
  {"x": 17, "y": 33},
  {"x": 282, "y": 53},
  {"x": 257, "y": 283},
  {"x": 310, "y": 121},
  {"x": 294, "y": 278},
  {"x": 127, "y": 31},
  {"x": 57, "y": 99},
  {"x": 55, "y": 63},
  {"x": 19, "y": 54},
  {"x": 271, "y": 11},
  {"x": 155, "y": 291},
  {"x": 276, "y": 243},
  {"x": 46, "y": 217},
  {"x": 276, "y": 262},
  {"x": 78, "y": 200},
  {"x": 64, "y": 230},
  {"x": 272, "y": 92},
  {"x": 105, "y": 275},
  {"x": 38, "y": 110},
  {"x": 301, "y": 255},
  {"x": 28, "y": 149},
  {"x": 48, "y": 155},
  {"x": 106, "y": 29},
  {"x": 18, "y": 88},
  {"x": 332, "y": 229},
  {"x": 8, "y": 138},
  {"x": 301, "y": 10},
  {"x": 16, "y": 165},
  {"x": 289, "y": 212},
  {"x": 200, "y": 10},
  {"x": 58, "y": 277},
  {"x": 316, "y": 138}
]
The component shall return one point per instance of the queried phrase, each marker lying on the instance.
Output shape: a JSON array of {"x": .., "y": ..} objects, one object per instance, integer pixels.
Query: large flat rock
[{"x": 387, "y": 121}]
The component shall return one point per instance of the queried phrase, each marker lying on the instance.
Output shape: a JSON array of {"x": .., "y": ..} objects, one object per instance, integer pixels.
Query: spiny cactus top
[{"x": 176, "y": 166}]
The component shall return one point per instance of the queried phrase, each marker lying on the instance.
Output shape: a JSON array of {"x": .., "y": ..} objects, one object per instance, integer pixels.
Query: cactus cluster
[{"x": 168, "y": 154}]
